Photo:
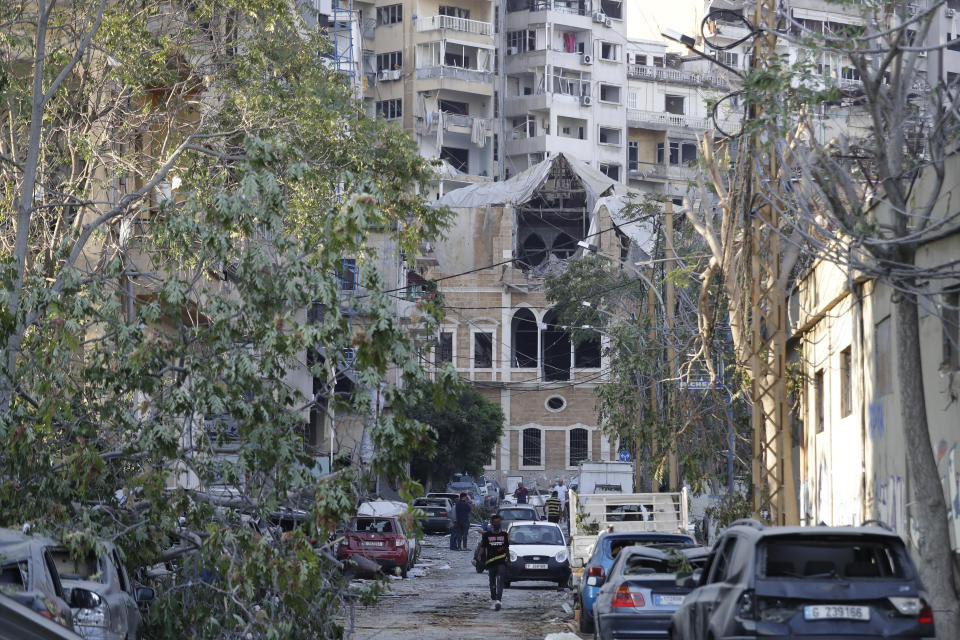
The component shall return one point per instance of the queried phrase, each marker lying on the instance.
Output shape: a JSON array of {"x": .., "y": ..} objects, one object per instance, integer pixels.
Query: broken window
[
  {"x": 674, "y": 104},
  {"x": 482, "y": 350},
  {"x": 633, "y": 155},
  {"x": 609, "y": 135},
  {"x": 532, "y": 438},
  {"x": 533, "y": 251},
  {"x": 688, "y": 153},
  {"x": 793, "y": 557},
  {"x": 459, "y": 159},
  {"x": 579, "y": 446},
  {"x": 524, "y": 328},
  {"x": 556, "y": 349},
  {"x": 609, "y": 93},
  {"x": 454, "y": 106},
  {"x": 612, "y": 8},
  {"x": 444, "y": 347},
  {"x": 586, "y": 355},
  {"x": 347, "y": 274},
  {"x": 612, "y": 171}
]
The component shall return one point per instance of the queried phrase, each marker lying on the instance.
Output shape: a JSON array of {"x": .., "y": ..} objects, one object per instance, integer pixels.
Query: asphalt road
[{"x": 451, "y": 601}]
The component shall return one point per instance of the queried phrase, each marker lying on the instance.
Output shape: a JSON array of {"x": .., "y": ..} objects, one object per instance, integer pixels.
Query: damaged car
[
  {"x": 836, "y": 582},
  {"x": 382, "y": 539}
]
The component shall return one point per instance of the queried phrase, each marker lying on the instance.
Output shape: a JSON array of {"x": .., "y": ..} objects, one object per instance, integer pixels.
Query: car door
[
  {"x": 709, "y": 594},
  {"x": 127, "y": 595}
]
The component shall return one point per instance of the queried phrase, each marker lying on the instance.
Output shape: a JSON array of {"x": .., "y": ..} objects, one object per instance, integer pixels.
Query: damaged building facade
[{"x": 500, "y": 332}]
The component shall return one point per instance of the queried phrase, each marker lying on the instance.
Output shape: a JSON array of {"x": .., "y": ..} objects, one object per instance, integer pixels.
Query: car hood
[{"x": 536, "y": 549}]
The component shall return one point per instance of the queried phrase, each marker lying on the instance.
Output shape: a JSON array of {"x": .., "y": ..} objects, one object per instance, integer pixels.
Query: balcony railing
[
  {"x": 459, "y": 121},
  {"x": 668, "y": 119},
  {"x": 432, "y": 23},
  {"x": 456, "y": 73},
  {"x": 663, "y": 74},
  {"x": 661, "y": 170}
]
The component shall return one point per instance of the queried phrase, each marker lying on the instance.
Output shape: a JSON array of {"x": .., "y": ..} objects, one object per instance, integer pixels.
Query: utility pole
[{"x": 774, "y": 495}]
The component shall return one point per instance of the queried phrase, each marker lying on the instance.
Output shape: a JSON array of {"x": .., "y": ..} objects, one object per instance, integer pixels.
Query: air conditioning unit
[
  {"x": 586, "y": 101},
  {"x": 951, "y": 12},
  {"x": 384, "y": 75},
  {"x": 599, "y": 16},
  {"x": 608, "y": 22},
  {"x": 586, "y": 59},
  {"x": 395, "y": 74},
  {"x": 512, "y": 51}
]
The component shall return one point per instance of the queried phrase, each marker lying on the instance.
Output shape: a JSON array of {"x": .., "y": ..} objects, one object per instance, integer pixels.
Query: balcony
[
  {"x": 434, "y": 23},
  {"x": 676, "y": 76},
  {"x": 459, "y": 123},
  {"x": 660, "y": 171},
  {"x": 454, "y": 73},
  {"x": 662, "y": 120}
]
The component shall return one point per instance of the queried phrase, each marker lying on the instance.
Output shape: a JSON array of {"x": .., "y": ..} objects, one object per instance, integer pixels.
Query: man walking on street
[
  {"x": 496, "y": 546},
  {"x": 520, "y": 493},
  {"x": 562, "y": 494},
  {"x": 553, "y": 507},
  {"x": 461, "y": 525}
]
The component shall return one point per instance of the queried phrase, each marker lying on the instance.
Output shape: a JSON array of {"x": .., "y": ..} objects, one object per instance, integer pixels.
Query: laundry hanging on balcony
[
  {"x": 478, "y": 132},
  {"x": 569, "y": 43}
]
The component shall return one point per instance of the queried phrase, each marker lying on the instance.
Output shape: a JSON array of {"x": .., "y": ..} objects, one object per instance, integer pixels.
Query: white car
[{"x": 538, "y": 552}]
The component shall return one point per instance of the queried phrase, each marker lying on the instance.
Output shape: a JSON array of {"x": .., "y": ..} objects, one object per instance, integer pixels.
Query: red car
[{"x": 381, "y": 539}]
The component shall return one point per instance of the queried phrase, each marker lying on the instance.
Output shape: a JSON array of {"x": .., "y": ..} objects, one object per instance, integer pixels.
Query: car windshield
[
  {"x": 664, "y": 543},
  {"x": 530, "y": 534},
  {"x": 518, "y": 514},
  {"x": 373, "y": 525},
  {"x": 851, "y": 558},
  {"x": 14, "y": 576},
  {"x": 83, "y": 568}
]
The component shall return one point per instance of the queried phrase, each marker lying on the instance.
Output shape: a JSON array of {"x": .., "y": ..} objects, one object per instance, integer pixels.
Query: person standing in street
[
  {"x": 496, "y": 547},
  {"x": 520, "y": 493},
  {"x": 562, "y": 494},
  {"x": 461, "y": 525},
  {"x": 553, "y": 507}
]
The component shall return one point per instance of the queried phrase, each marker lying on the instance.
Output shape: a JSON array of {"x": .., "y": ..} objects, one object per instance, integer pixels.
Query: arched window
[
  {"x": 524, "y": 334},
  {"x": 579, "y": 445},
  {"x": 531, "y": 447},
  {"x": 563, "y": 246},
  {"x": 586, "y": 355},
  {"x": 556, "y": 349},
  {"x": 533, "y": 250}
]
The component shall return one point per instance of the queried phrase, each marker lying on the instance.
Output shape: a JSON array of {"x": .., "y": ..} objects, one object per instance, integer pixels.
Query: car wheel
[{"x": 586, "y": 624}]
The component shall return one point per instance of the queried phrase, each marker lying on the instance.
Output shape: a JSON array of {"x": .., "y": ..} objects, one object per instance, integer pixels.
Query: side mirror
[
  {"x": 145, "y": 594},
  {"x": 84, "y": 599}
]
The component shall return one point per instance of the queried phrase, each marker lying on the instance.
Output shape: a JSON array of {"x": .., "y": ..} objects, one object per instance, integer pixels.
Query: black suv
[{"x": 805, "y": 583}]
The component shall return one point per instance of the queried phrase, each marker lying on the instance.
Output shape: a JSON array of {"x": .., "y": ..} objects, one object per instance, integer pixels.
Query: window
[
  {"x": 444, "y": 351},
  {"x": 520, "y": 41},
  {"x": 496, "y": 147},
  {"x": 658, "y": 61},
  {"x": 459, "y": 159},
  {"x": 674, "y": 104},
  {"x": 454, "y": 12},
  {"x": 818, "y": 400},
  {"x": 496, "y": 104},
  {"x": 846, "y": 382},
  {"x": 586, "y": 355},
  {"x": 612, "y": 171},
  {"x": 482, "y": 350},
  {"x": 530, "y": 450},
  {"x": 579, "y": 446},
  {"x": 609, "y": 51},
  {"x": 555, "y": 403},
  {"x": 951, "y": 330},
  {"x": 728, "y": 58},
  {"x": 612, "y": 8},
  {"x": 452, "y": 106},
  {"x": 456, "y": 56},
  {"x": 633, "y": 155},
  {"x": 688, "y": 153},
  {"x": 849, "y": 73},
  {"x": 391, "y": 14},
  {"x": 525, "y": 331},
  {"x": 555, "y": 349},
  {"x": 674, "y": 153},
  {"x": 609, "y": 136},
  {"x": 389, "y": 61},
  {"x": 882, "y": 374},
  {"x": 610, "y": 93},
  {"x": 639, "y": 58},
  {"x": 348, "y": 274},
  {"x": 390, "y": 109}
]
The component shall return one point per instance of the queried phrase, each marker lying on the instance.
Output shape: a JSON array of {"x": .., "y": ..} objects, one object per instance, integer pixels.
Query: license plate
[
  {"x": 535, "y": 566},
  {"x": 373, "y": 543},
  {"x": 835, "y": 612},
  {"x": 668, "y": 601}
]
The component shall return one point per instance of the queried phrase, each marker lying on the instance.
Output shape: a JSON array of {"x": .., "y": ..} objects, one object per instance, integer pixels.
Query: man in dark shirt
[
  {"x": 553, "y": 507},
  {"x": 520, "y": 493},
  {"x": 496, "y": 546},
  {"x": 461, "y": 525}
]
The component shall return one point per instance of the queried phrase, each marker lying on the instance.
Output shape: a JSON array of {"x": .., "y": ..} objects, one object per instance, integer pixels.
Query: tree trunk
[{"x": 929, "y": 508}]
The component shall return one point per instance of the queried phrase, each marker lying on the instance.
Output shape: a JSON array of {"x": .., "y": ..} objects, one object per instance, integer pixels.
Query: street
[{"x": 451, "y": 601}]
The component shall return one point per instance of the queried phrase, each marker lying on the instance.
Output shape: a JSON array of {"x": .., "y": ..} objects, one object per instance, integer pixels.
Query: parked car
[
  {"x": 114, "y": 613},
  {"x": 538, "y": 551},
  {"x": 436, "y": 518},
  {"x": 28, "y": 575},
  {"x": 601, "y": 560},
  {"x": 639, "y": 595},
  {"x": 806, "y": 582},
  {"x": 382, "y": 539},
  {"x": 514, "y": 514},
  {"x": 470, "y": 488},
  {"x": 452, "y": 497}
]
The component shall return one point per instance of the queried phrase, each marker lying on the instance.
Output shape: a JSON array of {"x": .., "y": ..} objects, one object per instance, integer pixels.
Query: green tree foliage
[
  {"x": 178, "y": 186},
  {"x": 465, "y": 428}
]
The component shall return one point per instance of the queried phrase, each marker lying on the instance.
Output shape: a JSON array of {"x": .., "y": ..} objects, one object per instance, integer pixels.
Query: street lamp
[{"x": 689, "y": 42}]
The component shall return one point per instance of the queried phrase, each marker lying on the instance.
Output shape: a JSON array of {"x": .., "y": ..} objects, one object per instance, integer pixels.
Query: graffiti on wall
[
  {"x": 891, "y": 503},
  {"x": 876, "y": 426}
]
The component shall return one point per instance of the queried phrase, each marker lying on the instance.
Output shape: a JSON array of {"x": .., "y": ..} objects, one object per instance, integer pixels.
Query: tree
[
  {"x": 179, "y": 186},
  {"x": 672, "y": 429},
  {"x": 464, "y": 428},
  {"x": 868, "y": 195}
]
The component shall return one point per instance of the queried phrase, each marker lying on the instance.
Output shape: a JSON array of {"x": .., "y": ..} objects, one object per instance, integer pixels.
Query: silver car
[{"x": 111, "y": 612}]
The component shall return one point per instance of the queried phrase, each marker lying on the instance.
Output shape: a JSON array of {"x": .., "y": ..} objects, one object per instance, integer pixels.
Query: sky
[{"x": 646, "y": 18}]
